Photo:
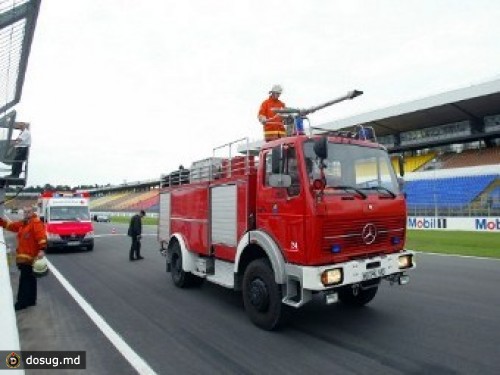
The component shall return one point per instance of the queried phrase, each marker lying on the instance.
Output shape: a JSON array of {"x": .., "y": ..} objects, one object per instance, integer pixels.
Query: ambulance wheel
[
  {"x": 181, "y": 278},
  {"x": 262, "y": 296},
  {"x": 348, "y": 296}
]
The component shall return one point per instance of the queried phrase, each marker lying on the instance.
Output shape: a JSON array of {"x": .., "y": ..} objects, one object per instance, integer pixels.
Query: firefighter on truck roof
[{"x": 272, "y": 123}]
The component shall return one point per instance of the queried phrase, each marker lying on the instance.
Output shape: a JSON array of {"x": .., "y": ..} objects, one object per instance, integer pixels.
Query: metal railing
[{"x": 225, "y": 163}]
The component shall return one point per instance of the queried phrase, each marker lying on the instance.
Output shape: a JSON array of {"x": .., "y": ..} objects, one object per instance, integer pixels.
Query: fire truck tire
[
  {"x": 181, "y": 278},
  {"x": 361, "y": 298},
  {"x": 262, "y": 296},
  {"x": 90, "y": 247}
]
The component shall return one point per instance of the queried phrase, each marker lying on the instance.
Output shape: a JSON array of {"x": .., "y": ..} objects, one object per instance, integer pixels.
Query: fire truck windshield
[
  {"x": 69, "y": 213},
  {"x": 348, "y": 165}
]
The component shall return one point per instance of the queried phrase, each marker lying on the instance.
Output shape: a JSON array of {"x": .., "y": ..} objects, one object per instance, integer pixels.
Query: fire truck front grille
[{"x": 360, "y": 234}]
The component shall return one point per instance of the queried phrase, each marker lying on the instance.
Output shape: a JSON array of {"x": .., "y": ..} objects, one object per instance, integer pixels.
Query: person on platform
[
  {"x": 272, "y": 123},
  {"x": 21, "y": 145}
]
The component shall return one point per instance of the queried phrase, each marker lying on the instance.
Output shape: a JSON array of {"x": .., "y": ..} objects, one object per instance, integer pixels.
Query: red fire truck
[
  {"x": 309, "y": 214},
  {"x": 67, "y": 219}
]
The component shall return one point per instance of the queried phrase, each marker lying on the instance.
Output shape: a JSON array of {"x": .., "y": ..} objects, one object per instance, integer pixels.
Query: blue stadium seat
[
  {"x": 446, "y": 192},
  {"x": 494, "y": 197}
]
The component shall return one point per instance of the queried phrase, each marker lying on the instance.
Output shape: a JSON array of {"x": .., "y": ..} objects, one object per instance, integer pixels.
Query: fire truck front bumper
[{"x": 392, "y": 267}]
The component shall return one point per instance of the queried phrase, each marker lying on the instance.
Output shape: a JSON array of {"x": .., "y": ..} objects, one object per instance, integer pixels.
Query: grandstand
[
  {"x": 129, "y": 197},
  {"x": 451, "y": 147},
  {"x": 465, "y": 191},
  {"x": 414, "y": 163},
  {"x": 16, "y": 202},
  {"x": 126, "y": 201},
  {"x": 470, "y": 158}
]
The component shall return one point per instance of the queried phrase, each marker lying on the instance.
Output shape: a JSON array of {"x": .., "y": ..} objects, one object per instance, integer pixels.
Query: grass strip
[
  {"x": 125, "y": 219},
  {"x": 481, "y": 244}
]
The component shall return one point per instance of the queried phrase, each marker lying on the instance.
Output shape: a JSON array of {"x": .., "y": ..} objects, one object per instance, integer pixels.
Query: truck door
[{"x": 280, "y": 210}]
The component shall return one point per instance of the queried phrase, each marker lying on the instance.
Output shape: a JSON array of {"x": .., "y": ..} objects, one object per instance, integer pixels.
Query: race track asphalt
[{"x": 446, "y": 321}]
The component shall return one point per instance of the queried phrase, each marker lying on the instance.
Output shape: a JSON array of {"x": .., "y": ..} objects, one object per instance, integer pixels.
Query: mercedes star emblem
[{"x": 369, "y": 233}]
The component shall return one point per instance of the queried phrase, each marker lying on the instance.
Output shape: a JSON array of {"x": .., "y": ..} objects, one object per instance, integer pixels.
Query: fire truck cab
[{"x": 67, "y": 219}]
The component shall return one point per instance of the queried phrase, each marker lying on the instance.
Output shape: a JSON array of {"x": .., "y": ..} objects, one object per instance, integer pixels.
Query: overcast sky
[{"x": 124, "y": 90}]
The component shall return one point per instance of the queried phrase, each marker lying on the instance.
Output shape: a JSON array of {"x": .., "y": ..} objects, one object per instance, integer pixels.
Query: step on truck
[
  {"x": 308, "y": 214},
  {"x": 67, "y": 219}
]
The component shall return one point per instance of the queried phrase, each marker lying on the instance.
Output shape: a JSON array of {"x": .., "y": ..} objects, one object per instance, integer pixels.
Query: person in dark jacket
[{"x": 135, "y": 231}]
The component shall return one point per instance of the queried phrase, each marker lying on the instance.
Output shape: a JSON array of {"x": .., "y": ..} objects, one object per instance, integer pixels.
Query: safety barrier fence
[{"x": 9, "y": 337}]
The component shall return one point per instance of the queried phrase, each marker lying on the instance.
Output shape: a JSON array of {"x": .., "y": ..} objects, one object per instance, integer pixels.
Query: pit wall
[{"x": 9, "y": 337}]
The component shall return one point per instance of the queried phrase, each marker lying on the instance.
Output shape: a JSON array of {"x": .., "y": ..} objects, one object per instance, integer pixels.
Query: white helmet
[
  {"x": 40, "y": 267},
  {"x": 277, "y": 89}
]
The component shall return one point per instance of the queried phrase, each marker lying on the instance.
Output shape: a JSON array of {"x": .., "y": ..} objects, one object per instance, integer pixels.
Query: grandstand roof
[
  {"x": 469, "y": 103},
  {"x": 126, "y": 186},
  {"x": 17, "y": 26}
]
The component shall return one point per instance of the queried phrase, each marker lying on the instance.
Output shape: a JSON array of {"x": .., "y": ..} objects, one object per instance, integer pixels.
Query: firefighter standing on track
[
  {"x": 272, "y": 123},
  {"x": 31, "y": 243},
  {"x": 135, "y": 232}
]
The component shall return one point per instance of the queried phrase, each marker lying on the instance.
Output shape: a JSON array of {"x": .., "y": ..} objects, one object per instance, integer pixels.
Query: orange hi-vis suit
[
  {"x": 274, "y": 127},
  {"x": 31, "y": 238}
]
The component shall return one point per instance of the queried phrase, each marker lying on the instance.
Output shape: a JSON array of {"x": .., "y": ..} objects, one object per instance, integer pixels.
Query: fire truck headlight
[
  {"x": 405, "y": 261},
  {"x": 332, "y": 277},
  {"x": 89, "y": 234},
  {"x": 53, "y": 236}
]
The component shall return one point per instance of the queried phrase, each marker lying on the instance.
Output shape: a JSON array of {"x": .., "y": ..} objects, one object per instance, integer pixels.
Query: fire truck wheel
[
  {"x": 90, "y": 247},
  {"x": 262, "y": 296},
  {"x": 360, "y": 298},
  {"x": 181, "y": 278}
]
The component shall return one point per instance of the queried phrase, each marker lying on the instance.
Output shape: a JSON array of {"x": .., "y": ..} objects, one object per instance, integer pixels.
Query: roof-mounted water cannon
[{"x": 294, "y": 117}]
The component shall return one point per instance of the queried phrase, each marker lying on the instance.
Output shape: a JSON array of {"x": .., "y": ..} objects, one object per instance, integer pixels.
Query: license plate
[
  {"x": 372, "y": 274},
  {"x": 74, "y": 243}
]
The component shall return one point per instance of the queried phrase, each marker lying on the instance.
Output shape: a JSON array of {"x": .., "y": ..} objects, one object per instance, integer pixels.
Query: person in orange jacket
[
  {"x": 272, "y": 123},
  {"x": 31, "y": 243}
]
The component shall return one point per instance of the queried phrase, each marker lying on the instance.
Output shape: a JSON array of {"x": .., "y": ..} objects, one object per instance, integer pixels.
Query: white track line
[
  {"x": 128, "y": 353},
  {"x": 456, "y": 255}
]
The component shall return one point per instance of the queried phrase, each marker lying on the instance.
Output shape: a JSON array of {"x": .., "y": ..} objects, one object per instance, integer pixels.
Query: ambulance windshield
[{"x": 68, "y": 213}]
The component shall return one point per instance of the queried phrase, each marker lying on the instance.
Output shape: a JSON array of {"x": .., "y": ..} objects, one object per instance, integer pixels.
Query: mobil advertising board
[{"x": 475, "y": 224}]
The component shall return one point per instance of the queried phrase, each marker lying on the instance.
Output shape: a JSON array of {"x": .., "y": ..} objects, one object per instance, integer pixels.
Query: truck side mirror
[
  {"x": 321, "y": 148},
  {"x": 276, "y": 159}
]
